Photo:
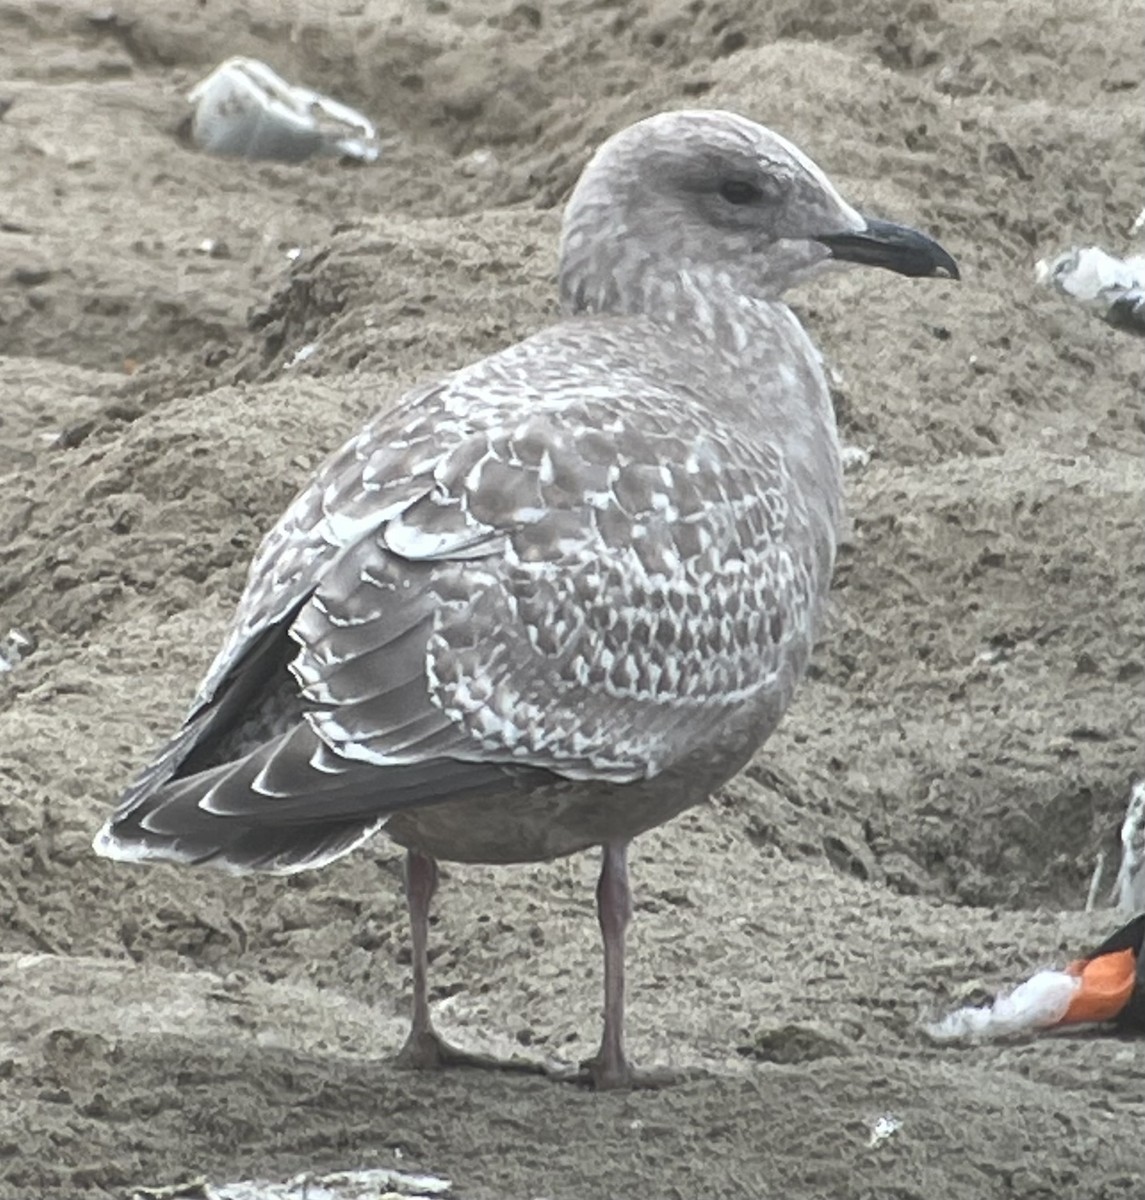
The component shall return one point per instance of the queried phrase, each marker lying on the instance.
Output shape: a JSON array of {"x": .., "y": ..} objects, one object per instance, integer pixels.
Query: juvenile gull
[{"x": 552, "y": 600}]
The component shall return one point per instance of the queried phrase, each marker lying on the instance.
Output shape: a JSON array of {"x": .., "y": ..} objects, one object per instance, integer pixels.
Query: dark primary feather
[{"x": 247, "y": 782}]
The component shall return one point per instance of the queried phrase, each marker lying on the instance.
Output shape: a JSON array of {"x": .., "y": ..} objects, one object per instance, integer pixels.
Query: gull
[{"x": 553, "y": 599}]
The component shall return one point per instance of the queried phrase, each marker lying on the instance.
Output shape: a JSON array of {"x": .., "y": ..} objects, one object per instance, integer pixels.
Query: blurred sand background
[{"x": 923, "y": 828}]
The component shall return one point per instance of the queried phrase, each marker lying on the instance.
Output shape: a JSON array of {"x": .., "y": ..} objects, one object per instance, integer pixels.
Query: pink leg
[
  {"x": 610, "y": 1068},
  {"x": 425, "y": 1049},
  {"x": 422, "y": 1048},
  {"x": 421, "y": 884}
]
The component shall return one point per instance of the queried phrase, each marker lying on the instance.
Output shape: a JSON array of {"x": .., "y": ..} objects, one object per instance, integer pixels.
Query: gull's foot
[
  {"x": 428, "y": 1051},
  {"x": 425, "y": 1050},
  {"x": 603, "y": 1076}
]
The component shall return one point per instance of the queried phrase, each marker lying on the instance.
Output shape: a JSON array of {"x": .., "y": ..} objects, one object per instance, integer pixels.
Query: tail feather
[
  {"x": 243, "y": 849},
  {"x": 225, "y": 816}
]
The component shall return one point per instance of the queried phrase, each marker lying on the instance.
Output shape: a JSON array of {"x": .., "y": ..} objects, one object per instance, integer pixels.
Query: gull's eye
[{"x": 740, "y": 191}]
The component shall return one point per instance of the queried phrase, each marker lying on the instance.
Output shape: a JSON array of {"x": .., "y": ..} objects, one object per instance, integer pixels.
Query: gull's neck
[{"x": 703, "y": 298}]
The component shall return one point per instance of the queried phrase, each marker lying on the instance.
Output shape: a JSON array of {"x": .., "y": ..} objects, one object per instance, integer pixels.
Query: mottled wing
[{"x": 591, "y": 573}]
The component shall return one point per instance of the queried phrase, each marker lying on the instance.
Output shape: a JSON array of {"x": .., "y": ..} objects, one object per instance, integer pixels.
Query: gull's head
[{"x": 708, "y": 195}]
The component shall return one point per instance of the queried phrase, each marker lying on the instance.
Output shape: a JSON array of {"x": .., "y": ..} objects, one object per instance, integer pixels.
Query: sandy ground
[{"x": 922, "y": 829}]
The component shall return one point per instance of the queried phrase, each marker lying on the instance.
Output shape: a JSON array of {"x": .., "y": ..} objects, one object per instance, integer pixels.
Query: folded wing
[{"x": 504, "y": 581}]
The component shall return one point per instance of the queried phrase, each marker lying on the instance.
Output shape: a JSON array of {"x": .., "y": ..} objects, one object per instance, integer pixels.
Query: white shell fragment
[
  {"x": 1036, "y": 1004},
  {"x": 1115, "y": 286},
  {"x": 244, "y": 110}
]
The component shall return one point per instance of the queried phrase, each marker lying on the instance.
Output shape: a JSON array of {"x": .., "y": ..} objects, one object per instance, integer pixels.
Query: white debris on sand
[
  {"x": 855, "y": 458},
  {"x": 244, "y": 110},
  {"x": 1038, "y": 1003},
  {"x": 1129, "y": 890},
  {"x": 15, "y": 646},
  {"x": 882, "y": 1129},
  {"x": 1114, "y": 286},
  {"x": 377, "y": 1183}
]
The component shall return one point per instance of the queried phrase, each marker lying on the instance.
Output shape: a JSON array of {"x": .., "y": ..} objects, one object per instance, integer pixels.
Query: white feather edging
[{"x": 1038, "y": 1003}]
